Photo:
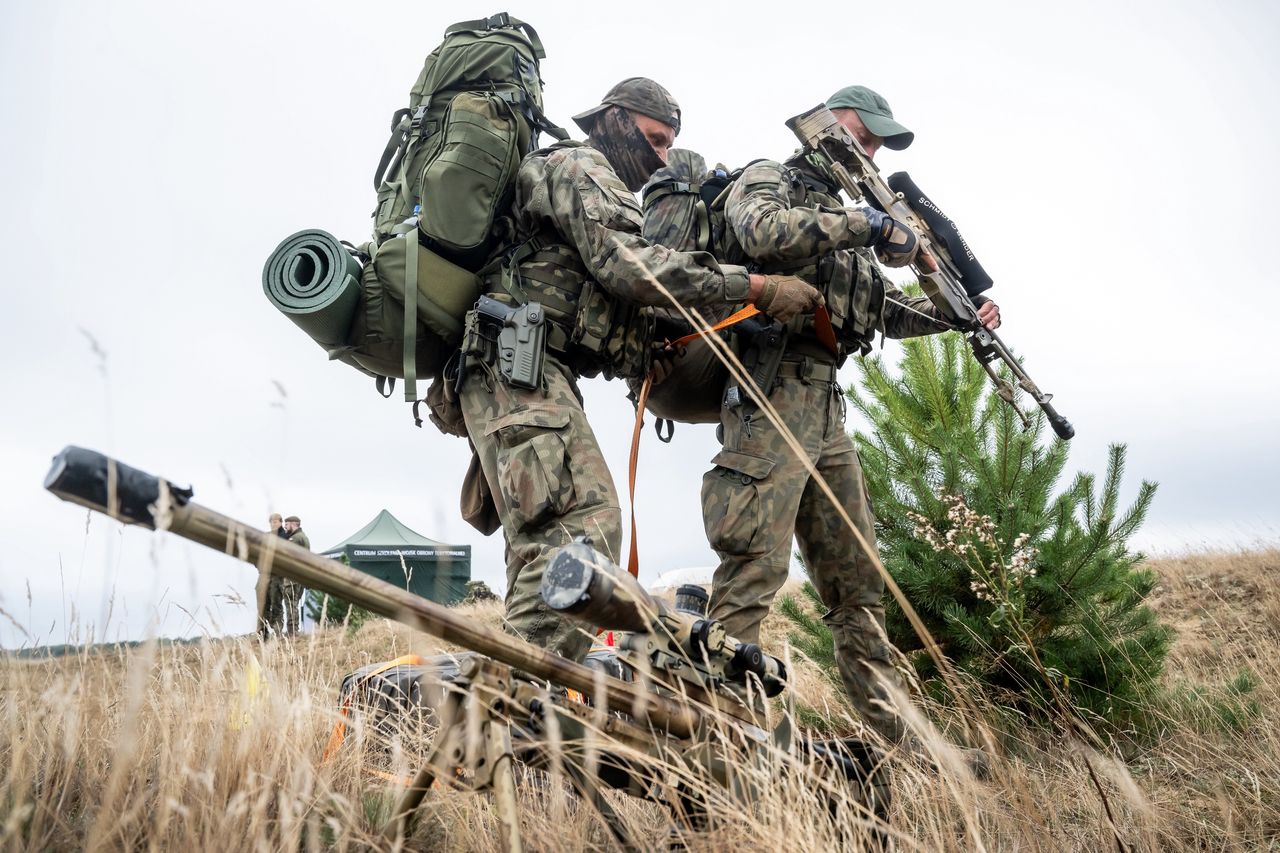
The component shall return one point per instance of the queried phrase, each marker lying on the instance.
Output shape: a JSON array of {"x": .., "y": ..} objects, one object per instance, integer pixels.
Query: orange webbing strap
[
  {"x": 734, "y": 318},
  {"x": 633, "y": 559},
  {"x": 344, "y": 711},
  {"x": 406, "y": 781}
]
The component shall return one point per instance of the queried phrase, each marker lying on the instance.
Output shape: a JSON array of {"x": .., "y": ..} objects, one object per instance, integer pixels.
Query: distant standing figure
[
  {"x": 271, "y": 617},
  {"x": 293, "y": 590}
]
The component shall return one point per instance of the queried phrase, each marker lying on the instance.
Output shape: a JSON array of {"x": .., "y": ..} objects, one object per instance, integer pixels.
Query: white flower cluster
[
  {"x": 965, "y": 521},
  {"x": 968, "y": 530},
  {"x": 924, "y": 530},
  {"x": 981, "y": 590},
  {"x": 1021, "y": 563}
]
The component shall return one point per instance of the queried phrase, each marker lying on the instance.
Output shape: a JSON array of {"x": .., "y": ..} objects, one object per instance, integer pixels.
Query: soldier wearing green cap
[
  {"x": 788, "y": 217},
  {"x": 873, "y": 114},
  {"x": 578, "y": 252}
]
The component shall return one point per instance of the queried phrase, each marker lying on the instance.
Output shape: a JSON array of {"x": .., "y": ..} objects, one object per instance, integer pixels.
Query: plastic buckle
[
  {"x": 418, "y": 115},
  {"x": 493, "y": 22}
]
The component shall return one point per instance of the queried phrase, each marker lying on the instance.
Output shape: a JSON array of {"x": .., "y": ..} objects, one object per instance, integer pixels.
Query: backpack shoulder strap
[
  {"x": 396, "y": 145},
  {"x": 561, "y": 145},
  {"x": 540, "y": 122}
]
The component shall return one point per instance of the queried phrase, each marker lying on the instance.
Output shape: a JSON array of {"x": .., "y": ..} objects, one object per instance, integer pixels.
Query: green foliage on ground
[{"x": 1029, "y": 588}]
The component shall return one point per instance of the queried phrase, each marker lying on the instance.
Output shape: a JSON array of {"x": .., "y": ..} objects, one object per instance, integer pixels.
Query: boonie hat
[
  {"x": 875, "y": 114},
  {"x": 640, "y": 94}
]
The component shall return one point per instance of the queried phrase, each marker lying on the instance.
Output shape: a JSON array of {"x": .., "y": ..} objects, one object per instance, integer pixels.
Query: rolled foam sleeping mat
[{"x": 313, "y": 280}]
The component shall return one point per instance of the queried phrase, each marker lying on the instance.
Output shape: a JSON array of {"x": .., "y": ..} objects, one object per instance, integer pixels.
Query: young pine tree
[{"x": 1019, "y": 584}]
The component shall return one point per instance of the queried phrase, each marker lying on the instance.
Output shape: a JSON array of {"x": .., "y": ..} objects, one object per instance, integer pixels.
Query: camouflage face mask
[{"x": 616, "y": 136}]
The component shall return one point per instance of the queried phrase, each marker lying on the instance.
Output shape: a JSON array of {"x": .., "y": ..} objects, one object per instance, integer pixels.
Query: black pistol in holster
[
  {"x": 521, "y": 341},
  {"x": 762, "y": 345}
]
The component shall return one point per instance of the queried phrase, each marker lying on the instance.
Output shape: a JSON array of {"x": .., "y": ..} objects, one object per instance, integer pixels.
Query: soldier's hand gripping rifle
[
  {"x": 944, "y": 283},
  {"x": 689, "y": 708}
]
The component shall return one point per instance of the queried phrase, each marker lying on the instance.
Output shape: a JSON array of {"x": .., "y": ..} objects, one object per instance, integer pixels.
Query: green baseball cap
[
  {"x": 640, "y": 94},
  {"x": 875, "y": 114}
]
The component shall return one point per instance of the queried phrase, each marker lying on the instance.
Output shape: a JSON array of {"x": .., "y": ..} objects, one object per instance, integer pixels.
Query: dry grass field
[{"x": 162, "y": 748}]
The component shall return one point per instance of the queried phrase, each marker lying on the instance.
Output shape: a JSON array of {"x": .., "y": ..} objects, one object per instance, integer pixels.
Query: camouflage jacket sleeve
[
  {"x": 580, "y": 195},
  {"x": 902, "y": 315},
  {"x": 770, "y": 229}
]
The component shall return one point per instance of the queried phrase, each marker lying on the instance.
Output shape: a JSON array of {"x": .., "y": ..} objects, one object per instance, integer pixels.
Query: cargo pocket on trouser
[
  {"x": 533, "y": 476},
  {"x": 732, "y": 508}
]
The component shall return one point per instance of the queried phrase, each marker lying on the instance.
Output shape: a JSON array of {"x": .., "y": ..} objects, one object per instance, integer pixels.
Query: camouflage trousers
[
  {"x": 292, "y": 602},
  {"x": 758, "y": 495},
  {"x": 550, "y": 484},
  {"x": 271, "y": 618}
]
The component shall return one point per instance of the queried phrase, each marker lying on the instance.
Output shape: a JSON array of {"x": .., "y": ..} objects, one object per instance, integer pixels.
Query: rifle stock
[{"x": 821, "y": 133}]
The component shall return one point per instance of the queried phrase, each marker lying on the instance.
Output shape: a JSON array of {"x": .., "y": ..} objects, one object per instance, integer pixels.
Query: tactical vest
[
  {"x": 854, "y": 291},
  {"x": 588, "y": 329}
]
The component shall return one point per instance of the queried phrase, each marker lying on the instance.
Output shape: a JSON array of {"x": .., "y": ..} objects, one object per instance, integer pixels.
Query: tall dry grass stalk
[{"x": 165, "y": 747}]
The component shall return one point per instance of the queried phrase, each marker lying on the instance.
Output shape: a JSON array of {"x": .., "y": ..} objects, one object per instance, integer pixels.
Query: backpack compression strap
[
  {"x": 500, "y": 21},
  {"x": 410, "y": 364}
]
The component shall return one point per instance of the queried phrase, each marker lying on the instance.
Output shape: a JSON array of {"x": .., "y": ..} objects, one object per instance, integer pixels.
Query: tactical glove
[
  {"x": 894, "y": 242},
  {"x": 785, "y": 296}
]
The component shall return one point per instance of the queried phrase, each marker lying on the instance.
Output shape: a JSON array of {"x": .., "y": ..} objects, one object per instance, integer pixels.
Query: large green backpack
[
  {"x": 393, "y": 307},
  {"x": 474, "y": 112},
  {"x": 684, "y": 211}
]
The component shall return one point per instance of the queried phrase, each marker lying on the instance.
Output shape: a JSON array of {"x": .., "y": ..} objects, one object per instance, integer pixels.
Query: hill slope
[{"x": 164, "y": 746}]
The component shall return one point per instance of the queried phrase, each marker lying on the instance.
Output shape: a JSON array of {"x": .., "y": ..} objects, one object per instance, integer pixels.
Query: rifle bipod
[{"x": 473, "y": 751}]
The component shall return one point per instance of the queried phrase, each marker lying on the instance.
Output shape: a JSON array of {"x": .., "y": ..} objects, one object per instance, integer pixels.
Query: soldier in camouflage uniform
[
  {"x": 580, "y": 255},
  {"x": 271, "y": 617},
  {"x": 294, "y": 591},
  {"x": 788, "y": 217}
]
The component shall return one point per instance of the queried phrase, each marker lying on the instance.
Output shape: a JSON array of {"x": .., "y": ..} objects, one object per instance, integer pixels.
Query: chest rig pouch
[
  {"x": 587, "y": 328},
  {"x": 849, "y": 281},
  {"x": 854, "y": 291}
]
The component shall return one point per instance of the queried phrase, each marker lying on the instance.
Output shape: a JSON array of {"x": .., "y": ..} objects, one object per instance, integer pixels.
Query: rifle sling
[{"x": 633, "y": 557}]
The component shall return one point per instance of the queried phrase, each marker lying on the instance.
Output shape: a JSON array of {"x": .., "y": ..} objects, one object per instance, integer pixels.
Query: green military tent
[{"x": 388, "y": 550}]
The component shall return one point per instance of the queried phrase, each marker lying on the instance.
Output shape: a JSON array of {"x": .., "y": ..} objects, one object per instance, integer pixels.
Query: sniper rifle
[{"x": 946, "y": 284}]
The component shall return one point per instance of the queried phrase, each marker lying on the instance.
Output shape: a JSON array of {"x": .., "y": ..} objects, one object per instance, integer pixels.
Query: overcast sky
[{"x": 1113, "y": 165}]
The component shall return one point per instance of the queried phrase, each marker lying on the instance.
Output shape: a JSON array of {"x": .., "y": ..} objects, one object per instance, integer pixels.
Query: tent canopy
[{"x": 387, "y": 549}]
